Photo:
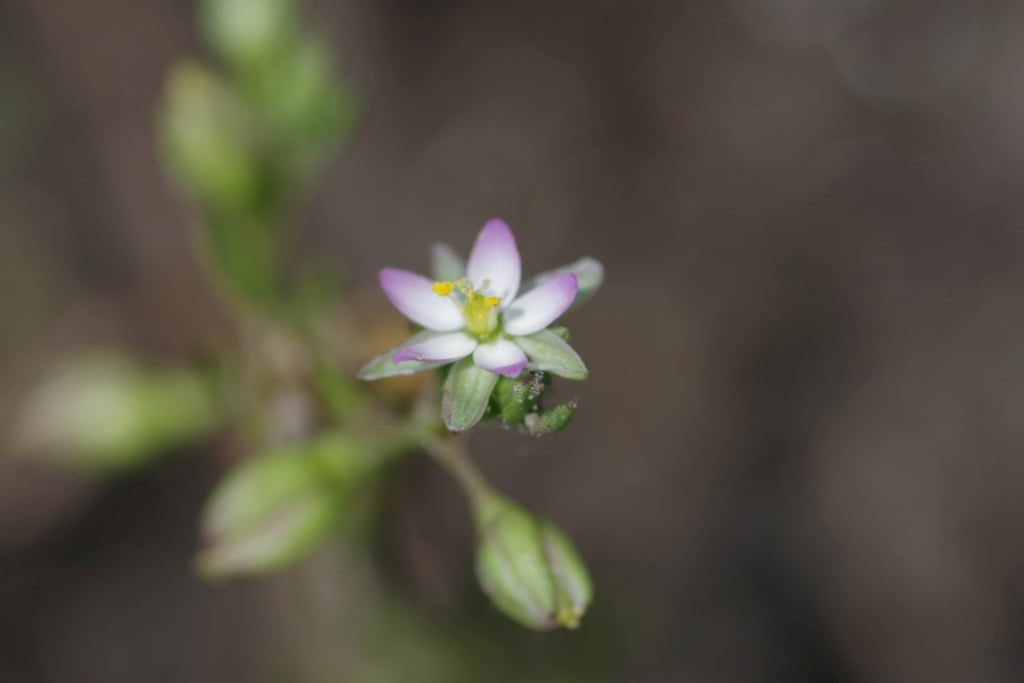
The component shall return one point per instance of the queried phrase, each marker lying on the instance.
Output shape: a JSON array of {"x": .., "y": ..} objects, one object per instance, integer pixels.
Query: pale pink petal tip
[
  {"x": 541, "y": 306},
  {"x": 495, "y": 258},
  {"x": 501, "y": 356}
]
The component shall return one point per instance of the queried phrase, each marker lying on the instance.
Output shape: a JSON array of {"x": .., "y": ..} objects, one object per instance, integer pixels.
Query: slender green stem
[{"x": 450, "y": 454}]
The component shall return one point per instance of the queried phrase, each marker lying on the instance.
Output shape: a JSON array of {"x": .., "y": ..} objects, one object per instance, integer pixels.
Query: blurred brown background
[{"x": 799, "y": 454}]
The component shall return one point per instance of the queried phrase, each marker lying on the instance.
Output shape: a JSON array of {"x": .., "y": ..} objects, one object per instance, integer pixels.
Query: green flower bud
[
  {"x": 513, "y": 399},
  {"x": 248, "y": 32},
  {"x": 529, "y": 568},
  {"x": 272, "y": 510},
  {"x": 207, "y": 141},
  {"x": 108, "y": 412}
]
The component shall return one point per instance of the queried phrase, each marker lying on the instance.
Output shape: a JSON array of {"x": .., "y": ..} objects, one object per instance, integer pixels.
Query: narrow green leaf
[
  {"x": 384, "y": 366},
  {"x": 466, "y": 394},
  {"x": 547, "y": 351}
]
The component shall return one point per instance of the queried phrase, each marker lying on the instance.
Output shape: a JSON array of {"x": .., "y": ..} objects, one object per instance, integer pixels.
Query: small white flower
[{"x": 480, "y": 315}]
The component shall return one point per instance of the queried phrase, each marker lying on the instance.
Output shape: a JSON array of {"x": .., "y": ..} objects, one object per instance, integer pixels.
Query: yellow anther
[
  {"x": 443, "y": 288},
  {"x": 492, "y": 301}
]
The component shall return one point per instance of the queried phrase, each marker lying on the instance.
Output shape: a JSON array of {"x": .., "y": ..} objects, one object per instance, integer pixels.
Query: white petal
[
  {"x": 589, "y": 275},
  {"x": 494, "y": 258},
  {"x": 500, "y": 356},
  {"x": 412, "y": 295},
  {"x": 541, "y": 306},
  {"x": 443, "y": 348},
  {"x": 384, "y": 365}
]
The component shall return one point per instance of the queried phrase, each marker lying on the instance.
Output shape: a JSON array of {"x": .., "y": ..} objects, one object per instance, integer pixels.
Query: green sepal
[
  {"x": 547, "y": 351},
  {"x": 467, "y": 392},
  {"x": 551, "y": 420},
  {"x": 383, "y": 366}
]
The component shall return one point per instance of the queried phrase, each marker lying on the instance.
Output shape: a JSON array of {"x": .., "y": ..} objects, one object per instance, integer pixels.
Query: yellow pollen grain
[
  {"x": 492, "y": 301},
  {"x": 443, "y": 288}
]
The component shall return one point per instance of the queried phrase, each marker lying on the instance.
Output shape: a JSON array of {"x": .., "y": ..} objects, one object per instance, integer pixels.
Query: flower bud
[
  {"x": 529, "y": 568},
  {"x": 513, "y": 399},
  {"x": 270, "y": 511}
]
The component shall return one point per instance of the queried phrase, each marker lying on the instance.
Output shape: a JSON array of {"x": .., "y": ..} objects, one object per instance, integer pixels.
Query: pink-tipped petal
[
  {"x": 444, "y": 348},
  {"x": 541, "y": 306},
  {"x": 412, "y": 295},
  {"x": 500, "y": 356},
  {"x": 494, "y": 258}
]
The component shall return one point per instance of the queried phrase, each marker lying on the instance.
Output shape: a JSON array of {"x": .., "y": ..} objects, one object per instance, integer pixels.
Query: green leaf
[
  {"x": 548, "y": 352},
  {"x": 589, "y": 275},
  {"x": 207, "y": 139},
  {"x": 383, "y": 366},
  {"x": 106, "y": 411},
  {"x": 248, "y": 33},
  {"x": 446, "y": 264},
  {"x": 466, "y": 394}
]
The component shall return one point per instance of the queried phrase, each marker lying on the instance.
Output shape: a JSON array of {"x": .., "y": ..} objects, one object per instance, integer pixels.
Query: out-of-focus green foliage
[
  {"x": 275, "y": 508},
  {"x": 210, "y": 141},
  {"x": 245, "y": 140},
  {"x": 108, "y": 412},
  {"x": 247, "y": 34}
]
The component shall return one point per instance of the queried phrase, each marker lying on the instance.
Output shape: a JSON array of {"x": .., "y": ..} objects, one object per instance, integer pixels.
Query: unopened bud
[
  {"x": 272, "y": 510},
  {"x": 529, "y": 568},
  {"x": 513, "y": 399}
]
